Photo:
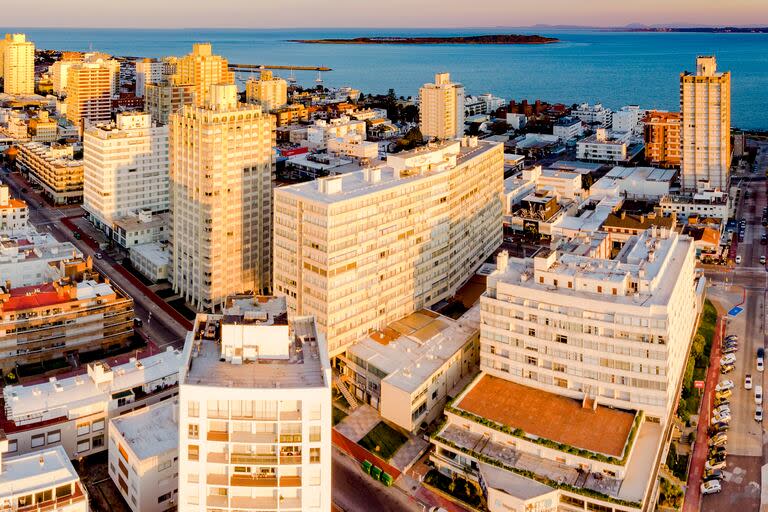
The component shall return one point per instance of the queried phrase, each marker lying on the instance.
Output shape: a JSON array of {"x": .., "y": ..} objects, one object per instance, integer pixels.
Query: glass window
[
  {"x": 54, "y": 436},
  {"x": 38, "y": 440},
  {"x": 83, "y": 429},
  {"x": 97, "y": 425},
  {"x": 83, "y": 446}
]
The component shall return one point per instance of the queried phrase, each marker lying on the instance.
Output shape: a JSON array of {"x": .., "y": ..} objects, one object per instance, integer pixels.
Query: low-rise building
[
  {"x": 535, "y": 145},
  {"x": 604, "y": 146},
  {"x": 353, "y": 145},
  {"x": 662, "y": 138},
  {"x": 634, "y": 182},
  {"x": 73, "y": 411},
  {"x": 40, "y": 481},
  {"x": 290, "y": 114},
  {"x": 30, "y": 258},
  {"x": 595, "y": 116},
  {"x": 408, "y": 369},
  {"x": 78, "y": 312},
  {"x": 322, "y": 131},
  {"x": 14, "y": 213},
  {"x": 567, "y": 128},
  {"x": 54, "y": 169},
  {"x": 707, "y": 203},
  {"x": 43, "y": 128},
  {"x": 142, "y": 228},
  {"x": 144, "y": 457},
  {"x": 628, "y": 119},
  {"x": 152, "y": 260}
]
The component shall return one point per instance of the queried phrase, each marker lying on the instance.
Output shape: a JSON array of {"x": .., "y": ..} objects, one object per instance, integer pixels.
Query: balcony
[
  {"x": 253, "y": 458},
  {"x": 214, "y": 435},
  {"x": 213, "y": 500},
  {"x": 290, "y": 459},
  {"x": 254, "y": 480},
  {"x": 216, "y": 479},
  {"x": 260, "y": 503},
  {"x": 259, "y": 437},
  {"x": 56, "y": 504}
]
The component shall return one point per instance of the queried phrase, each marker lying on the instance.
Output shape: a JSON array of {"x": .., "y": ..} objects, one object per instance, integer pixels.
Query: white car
[
  {"x": 738, "y": 259},
  {"x": 760, "y": 363},
  {"x": 721, "y": 408},
  {"x": 711, "y": 487},
  {"x": 748, "y": 381},
  {"x": 759, "y": 395},
  {"x": 728, "y": 359},
  {"x": 721, "y": 417},
  {"x": 762, "y": 260},
  {"x": 724, "y": 384},
  {"x": 759, "y": 413},
  {"x": 714, "y": 464}
]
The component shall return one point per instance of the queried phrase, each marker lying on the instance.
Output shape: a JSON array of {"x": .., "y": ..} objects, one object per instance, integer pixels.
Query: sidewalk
[{"x": 692, "y": 501}]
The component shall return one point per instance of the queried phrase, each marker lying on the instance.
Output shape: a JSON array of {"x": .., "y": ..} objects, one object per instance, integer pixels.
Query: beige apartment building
[
  {"x": 79, "y": 312},
  {"x": 18, "y": 64},
  {"x": 269, "y": 91},
  {"x": 202, "y": 69},
  {"x": 54, "y": 168},
  {"x": 222, "y": 173},
  {"x": 366, "y": 248},
  {"x": 705, "y": 108},
  {"x": 163, "y": 99},
  {"x": 89, "y": 94},
  {"x": 441, "y": 108},
  {"x": 662, "y": 138}
]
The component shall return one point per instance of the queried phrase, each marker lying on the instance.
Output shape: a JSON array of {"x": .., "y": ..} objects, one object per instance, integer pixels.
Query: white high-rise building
[
  {"x": 705, "y": 136},
  {"x": 18, "y": 63},
  {"x": 255, "y": 411},
  {"x": 366, "y": 248},
  {"x": 441, "y": 108},
  {"x": 125, "y": 170},
  {"x": 148, "y": 71},
  {"x": 222, "y": 172}
]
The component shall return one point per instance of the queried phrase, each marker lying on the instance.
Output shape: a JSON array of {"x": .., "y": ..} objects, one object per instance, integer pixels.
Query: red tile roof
[{"x": 29, "y": 297}]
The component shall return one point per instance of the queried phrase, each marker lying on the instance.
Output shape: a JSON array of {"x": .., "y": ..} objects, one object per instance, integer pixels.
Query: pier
[{"x": 256, "y": 67}]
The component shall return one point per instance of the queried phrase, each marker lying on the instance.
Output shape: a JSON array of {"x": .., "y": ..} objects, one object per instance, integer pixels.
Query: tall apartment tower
[
  {"x": 148, "y": 71},
  {"x": 269, "y": 91},
  {"x": 18, "y": 64},
  {"x": 361, "y": 250},
  {"x": 89, "y": 94},
  {"x": 255, "y": 411},
  {"x": 705, "y": 108},
  {"x": 125, "y": 169},
  {"x": 441, "y": 108},
  {"x": 202, "y": 69},
  {"x": 222, "y": 172}
]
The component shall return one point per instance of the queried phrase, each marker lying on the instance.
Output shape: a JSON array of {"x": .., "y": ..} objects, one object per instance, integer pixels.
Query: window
[
  {"x": 83, "y": 429},
  {"x": 98, "y": 441},
  {"x": 193, "y": 431},
  {"x": 193, "y": 452},
  {"x": 531, "y": 360},
  {"x": 314, "y": 433},
  {"x": 599, "y": 289},
  {"x": 63, "y": 491},
  {"x": 614, "y": 291},
  {"x": 561, "y": 338},
  {"x": 314, "y": 455},
  {"x": 532, "y": 332},
  {"x": 193, "y": 408},
  {"x": 164, "y": 465},
  {"x": 164, "y": 497},
  {"x": 38, "y": 440},
  {"x": 97, "y": 425},
  {"x": 13, "y": 446},
  {"x": 83, "y": 446},
  {"x": 54, "y": 436},
  {"x": 46, "y": 495}
]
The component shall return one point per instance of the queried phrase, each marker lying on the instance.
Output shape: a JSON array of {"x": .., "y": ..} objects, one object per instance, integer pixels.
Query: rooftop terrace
[{"x": 150, "y": 431}]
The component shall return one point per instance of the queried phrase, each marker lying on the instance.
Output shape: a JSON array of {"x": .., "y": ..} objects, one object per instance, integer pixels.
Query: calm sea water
[{"x": 614, "y": 68}]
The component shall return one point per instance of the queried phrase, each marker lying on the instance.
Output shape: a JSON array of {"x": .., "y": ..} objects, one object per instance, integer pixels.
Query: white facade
[
  {"x": 255, "y": 436},
  {"x": 363, "y": 249},
  {"x": 568, "y": 128},
  {"x": 595, "y": 115},
  {"x": 43, "y": 480},
  {"x": 353, "y": 145},
  {"x": 59, "y": 73},
  {"x": 148, "y": 72},
  {"x": 28, "y": 258},
  {"x": 14, "y": 213},
  {"x": 152, "y": 260},
  {"x": 143, "y": 228},
  {"x": 74, "y": 411},
  {"x": 222, "y": 173},
  {"x": 18, "y": 64},
  {"x": 320, "y": 133},
  {"x": 144, "y": 456},
  {"x": 705, "y": 136},
  {"x": 629, "y": 119},
  {"x": 604, "y": 146},
  {"x": 125, "y": 169},
  {"x": 706, "y": 203},
  {"x": 576, "y": 323},
  {"x": 441, "y": 108}
]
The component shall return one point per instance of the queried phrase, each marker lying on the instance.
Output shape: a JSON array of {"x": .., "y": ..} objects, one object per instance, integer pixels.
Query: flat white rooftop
[
  {"x": 155, "y": 252},
  {"x": 413, "y": 348},
  {"x": 36, "y": 471},
  {"x": 79, "y": 395},
  {"x": 150, "y": 431}
]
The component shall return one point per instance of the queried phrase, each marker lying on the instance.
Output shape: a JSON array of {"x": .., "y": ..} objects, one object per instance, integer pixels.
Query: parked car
[
  {"x": 732, "y": 337},
  {"x": 721, "y": 401},
  {"x": 738, "y": 259},
  {"x": 759, "y": 413},
  {"x": 760, "y": 359},
  {"x": 748, "y": 381},
  {"x": 724, "y": 385},
  {"x": 728, "y": 368},
  {"x": 721, "y": 407},
  {"x": 718, "y": 439},
  {"x": 721, "y": 417},
  {"x": 762, "y": 260},
  {"x": 717, "y": 428},
  {"x": 723, "y": 394},
  {"x": 97, "y": 255},
  {"x": 715, "y": 474},
  {"x": 728, "y": 359},
  {"x": 711, "y": 487},
  {"x": 714, "y": 464},
  {"x": 759, "y": 395}
]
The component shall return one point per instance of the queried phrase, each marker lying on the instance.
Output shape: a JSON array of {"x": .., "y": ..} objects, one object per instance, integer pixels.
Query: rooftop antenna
[{"x": 291, "y": 78}]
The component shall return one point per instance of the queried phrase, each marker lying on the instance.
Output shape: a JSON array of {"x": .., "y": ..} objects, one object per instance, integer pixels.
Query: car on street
[
  {"x": 711, "y": 487},
  {"x": 726, "y": 393},
  {"x": 715, "y": 474},
  {"x": 748, "y": 381},
  {"x": 738, "y": 259},
  {"x": 760, "y": 359},
  {"x": 97, "y": 255},
  {"x": 714, "y": 464},
  {"x": 721, "y": 417},
  {"x": 718, "y": 439},
  {"x": 724, "y": 385},
  {"x": 759, "y": 413},
  {"x": 727, "y": 368},
  {"x": 762, "y": 260},
  {"x": 728, "y": 359},
  {"x": 759, "y": 395}
]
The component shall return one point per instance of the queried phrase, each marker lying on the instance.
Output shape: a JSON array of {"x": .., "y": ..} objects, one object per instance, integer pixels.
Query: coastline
[{"x": 495, "y": 39}]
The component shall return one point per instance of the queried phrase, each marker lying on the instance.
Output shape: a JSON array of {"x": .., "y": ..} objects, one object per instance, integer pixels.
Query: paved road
[
  {"x": 162, "y": 329},
  {"x": 355, "y": 491}
]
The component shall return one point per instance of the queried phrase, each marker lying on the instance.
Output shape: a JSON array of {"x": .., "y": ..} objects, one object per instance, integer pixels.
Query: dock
[{"x": 255, "y": 67}]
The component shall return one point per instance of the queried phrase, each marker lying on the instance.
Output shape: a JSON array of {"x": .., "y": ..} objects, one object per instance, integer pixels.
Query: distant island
[
  {"x": 487, "y": 39},
  {"x": 712, "y": 30}
]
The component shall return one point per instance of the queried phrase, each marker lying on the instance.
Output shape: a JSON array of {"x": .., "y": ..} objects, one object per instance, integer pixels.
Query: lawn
[
  {"x": 338, "y": 415},
  {"x": 383, "y": 441}
]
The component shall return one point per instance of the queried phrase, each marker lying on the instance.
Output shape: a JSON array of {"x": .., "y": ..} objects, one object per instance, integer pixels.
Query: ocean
[{"x": 614, "y": 68}]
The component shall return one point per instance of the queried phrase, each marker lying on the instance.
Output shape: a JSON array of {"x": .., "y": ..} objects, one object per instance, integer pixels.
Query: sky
[{"x": 372, "y": 13}]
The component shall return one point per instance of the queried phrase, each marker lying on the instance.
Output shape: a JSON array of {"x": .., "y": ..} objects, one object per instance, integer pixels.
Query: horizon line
[{"x": 562, "y": 26}]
